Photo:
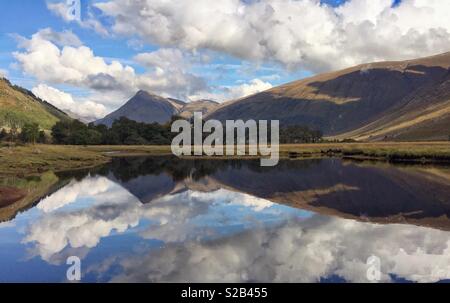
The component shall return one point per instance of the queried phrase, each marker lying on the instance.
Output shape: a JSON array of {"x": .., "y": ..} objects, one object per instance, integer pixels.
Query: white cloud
[
  {"x": 234, "y": 92},
  {"x": 3, "y": 73},
  {"x": 299, "y": 34},
  {"x": 77, "y": 66},
  {"x": 61, "y": 10},
  {"x": 253, "y": 87},
  {"x": 88, "y": 110},
  {"x": 51, "y": 58},
  {"x": 64, "y": 38},
  {"x": 169, "y": 75}
]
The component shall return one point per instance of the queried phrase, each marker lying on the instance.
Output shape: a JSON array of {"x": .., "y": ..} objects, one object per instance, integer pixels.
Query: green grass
[{"x": 19, "y": 105}]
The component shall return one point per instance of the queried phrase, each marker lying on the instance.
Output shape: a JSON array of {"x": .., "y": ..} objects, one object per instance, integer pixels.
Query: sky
[{"x": 90, "y": 61}]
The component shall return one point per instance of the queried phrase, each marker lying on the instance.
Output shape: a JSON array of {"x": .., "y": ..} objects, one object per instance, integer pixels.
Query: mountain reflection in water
[{"x": 172, "y": 220}]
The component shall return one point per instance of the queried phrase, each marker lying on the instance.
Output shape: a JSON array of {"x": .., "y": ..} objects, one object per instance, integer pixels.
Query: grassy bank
[
  {"x": 408, "y": 151},
  {"x": 27, "y": 160},
  {"x": 36, "y": 159},
  {"x": 390, "y": 151}
]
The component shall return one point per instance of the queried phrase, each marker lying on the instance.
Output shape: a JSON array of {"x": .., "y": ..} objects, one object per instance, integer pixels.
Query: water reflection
[
  {"x": 378, "y": 193},
  {"x": 160, "y": 219}
]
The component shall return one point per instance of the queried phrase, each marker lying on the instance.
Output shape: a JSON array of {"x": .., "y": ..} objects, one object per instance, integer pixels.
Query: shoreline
[{"x": 28, "y": 160}]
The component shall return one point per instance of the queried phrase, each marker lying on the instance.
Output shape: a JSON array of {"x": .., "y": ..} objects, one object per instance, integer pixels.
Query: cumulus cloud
[
  {"x": 69, "y": 65},
  {"x": 88, "y": 110},
  {"x": 168, "y": 73},
  {"x": 61, "y": 9},
  {"x": 54, "y": 58},
  {"x": 298, "y": 251},
  {"x": 64, "y": 38},
  {"x": 234, "y": 92},
  {"x": 299, "y": 34},
  {"x": 3, "y": 73}
]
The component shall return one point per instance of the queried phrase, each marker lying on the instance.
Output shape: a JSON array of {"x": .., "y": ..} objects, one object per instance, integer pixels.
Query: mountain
[
  {"x": 203, "y": 106},
  {"x": 149, "y": 108},
  {"x": 402, "y": 100},
  {"x": 18, "y": 106},
  {"x": 144, "y": 107}
]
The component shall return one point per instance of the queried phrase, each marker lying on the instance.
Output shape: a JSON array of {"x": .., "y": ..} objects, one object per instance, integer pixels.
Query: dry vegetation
[{"x": 34, "y": 159}]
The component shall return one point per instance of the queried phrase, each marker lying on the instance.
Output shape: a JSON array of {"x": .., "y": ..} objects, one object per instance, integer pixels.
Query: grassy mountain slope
[
  {"x": 395, "y": 100},
  {"x": 18, "y": 105}
]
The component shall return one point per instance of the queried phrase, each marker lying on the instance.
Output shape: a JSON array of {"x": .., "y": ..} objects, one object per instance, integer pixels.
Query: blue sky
[{"x": 201, "y": 49}]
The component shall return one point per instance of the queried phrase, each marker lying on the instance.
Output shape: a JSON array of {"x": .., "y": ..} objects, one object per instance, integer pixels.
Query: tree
[
  {"x": 3, "y": 134},
  {"x": 61, "y": 132},
  {"x": 42, "y": 137},
  {"x": 300, "y": 134},
  {"x": 123, "y": 131},
  {"x": 30, "y": 133}
]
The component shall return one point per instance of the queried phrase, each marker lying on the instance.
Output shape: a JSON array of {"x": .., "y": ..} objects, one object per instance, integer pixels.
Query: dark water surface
[{"x": 171, "y": 220}]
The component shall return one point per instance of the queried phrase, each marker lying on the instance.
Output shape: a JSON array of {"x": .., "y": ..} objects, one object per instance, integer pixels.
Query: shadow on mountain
[{"x": 342, "y": 101}]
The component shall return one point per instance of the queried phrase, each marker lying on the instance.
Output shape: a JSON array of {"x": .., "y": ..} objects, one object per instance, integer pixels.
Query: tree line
[
  {"x": 122, "y": 132},
  {"x": 127, "y": 132},
  {"x": 29, "y": 133}
]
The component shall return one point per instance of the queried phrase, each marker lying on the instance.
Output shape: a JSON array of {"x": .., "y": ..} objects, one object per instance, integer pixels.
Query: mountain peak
[{"x": 144, "y": 93}]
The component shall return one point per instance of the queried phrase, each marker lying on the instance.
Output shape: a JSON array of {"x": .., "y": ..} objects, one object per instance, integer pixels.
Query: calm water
[{"x": 171, "y": 220}]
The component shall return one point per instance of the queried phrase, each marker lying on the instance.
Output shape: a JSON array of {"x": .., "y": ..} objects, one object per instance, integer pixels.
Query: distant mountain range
[
  {"x": 19, "y": 106},
  {"x": 403, "y": 100},
  {"x": 149, "y": 108}
]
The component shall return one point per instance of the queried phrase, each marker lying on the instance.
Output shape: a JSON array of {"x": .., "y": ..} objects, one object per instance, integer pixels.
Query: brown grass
[{"x": 35, "y": 159}]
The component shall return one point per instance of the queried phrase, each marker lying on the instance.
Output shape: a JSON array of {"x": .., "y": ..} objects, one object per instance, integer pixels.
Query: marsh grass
[{"x": 35, "y": 159}]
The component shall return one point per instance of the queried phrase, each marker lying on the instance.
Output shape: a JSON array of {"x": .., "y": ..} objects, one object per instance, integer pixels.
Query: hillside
[
  {"x": 405, "y": 100},
  {"x": 203, "y": 106},
  {"x": 18, "y": 106}
]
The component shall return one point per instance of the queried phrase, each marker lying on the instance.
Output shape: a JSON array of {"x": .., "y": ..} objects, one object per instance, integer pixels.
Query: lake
[{"x": 164, "y": 219}]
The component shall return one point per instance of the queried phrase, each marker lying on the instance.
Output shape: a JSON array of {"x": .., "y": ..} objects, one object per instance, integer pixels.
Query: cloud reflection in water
[{"x": 228, "y": 236}]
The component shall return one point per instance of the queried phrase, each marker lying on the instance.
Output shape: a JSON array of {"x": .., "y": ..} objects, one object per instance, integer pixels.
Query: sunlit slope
[
  {"x": 385, "y": 100},
  {"x": 20, "y": 106}
]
